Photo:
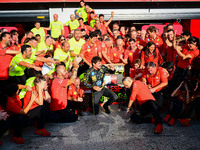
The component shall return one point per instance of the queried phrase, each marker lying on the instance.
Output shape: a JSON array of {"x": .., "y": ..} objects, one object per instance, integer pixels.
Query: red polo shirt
[
  {"x": 103, "y": 29},
  {"x": 145, "y": 59},
  {"x": 134, "y": 72},
  {"x": 139, "y": 42},
  {"x": 185, "y": 63},
  {"x": 87, "y": 28},
  {"x": 161, "y": 76},
  {"x": 5, "y": 60},
  {"x": 169, "y": 52},
  {"x": 27, "y": 99},
  {"x": 158, "y": 41},
  {"x": 74, "y": 92},
  {"x": 141, "y": 92},
  {"x": 115, "y": 55},
  {"x": 14, "y": 105},
  {"x": 89, "y": 51},
  {"x": 59, "y": 94},
  {"x": 132, "y": 55}
]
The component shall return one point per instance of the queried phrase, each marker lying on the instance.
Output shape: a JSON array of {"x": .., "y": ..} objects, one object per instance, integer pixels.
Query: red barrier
[
  {"x": 9, "y": 28},
  {"x": 177, "y": 28}
]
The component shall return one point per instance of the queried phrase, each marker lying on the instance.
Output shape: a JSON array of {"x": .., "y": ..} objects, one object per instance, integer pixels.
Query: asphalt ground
[{"x": 108, "y": 132}]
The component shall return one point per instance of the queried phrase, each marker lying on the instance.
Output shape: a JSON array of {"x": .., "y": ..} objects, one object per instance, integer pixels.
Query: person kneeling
[{"x": 146, "y": 101}]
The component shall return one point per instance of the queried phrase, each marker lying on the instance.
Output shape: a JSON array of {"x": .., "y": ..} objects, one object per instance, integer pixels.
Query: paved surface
[{"x": 108, "y": 132}]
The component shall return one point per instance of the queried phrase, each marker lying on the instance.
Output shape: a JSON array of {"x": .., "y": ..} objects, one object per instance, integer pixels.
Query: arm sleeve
[
  {"x": 13, "y": 107},
  {"x": 2, "y": 51},
  {"x": 164, "y": 76},
  {"x": 86, "y": 80},
  {"x": 142, "y": 58},
  {"x": 107, "y": 70},
  {"x": 194, "y": 54},
  {"x": 27, "y": 98}
]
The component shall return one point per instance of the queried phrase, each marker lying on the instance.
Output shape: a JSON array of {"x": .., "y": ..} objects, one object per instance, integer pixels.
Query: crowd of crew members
[{"x": 39, "y": 77}]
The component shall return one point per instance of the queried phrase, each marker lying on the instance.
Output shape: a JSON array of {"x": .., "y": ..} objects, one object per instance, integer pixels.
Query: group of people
[{"x": 41, "y": 78}]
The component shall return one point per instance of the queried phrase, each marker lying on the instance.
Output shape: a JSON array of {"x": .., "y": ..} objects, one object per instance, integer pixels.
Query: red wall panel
[{"x": 195, "y": 27}]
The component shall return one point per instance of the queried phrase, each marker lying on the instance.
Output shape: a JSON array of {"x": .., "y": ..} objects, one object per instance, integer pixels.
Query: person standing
[{"x": 56, "y": 27}]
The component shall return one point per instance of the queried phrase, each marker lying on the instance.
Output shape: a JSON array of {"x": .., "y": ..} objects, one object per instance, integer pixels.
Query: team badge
[
  {"x": 115, "y": 54},
  {"x": 94, "y": 79},
  {"x": 74, "y": 93},
  {"x": 130, "y": 54},
  {"x": 89, "y": 50},
  {"x": 99, "y": 83}
]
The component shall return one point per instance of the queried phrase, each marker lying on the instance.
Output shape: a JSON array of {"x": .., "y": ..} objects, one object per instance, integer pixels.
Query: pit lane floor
[{"x": 108, "y": 132}]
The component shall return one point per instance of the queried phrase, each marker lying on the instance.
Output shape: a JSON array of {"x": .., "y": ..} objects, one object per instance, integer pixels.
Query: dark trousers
[
  {"x": 63, "y": 115},
  {"x": 194, "y": 108},
  {"x": 39, "y": 113},
  {"x": 18, "y": 121},
  {"x": 159, "y": 99},
  {"x": 179, "y": 76},
  {"x": 96, "y": 96},
  {"x": 79, "y": 106},
  {"x": 146, "y": 108},
  {"x": 176, "y": 109}
]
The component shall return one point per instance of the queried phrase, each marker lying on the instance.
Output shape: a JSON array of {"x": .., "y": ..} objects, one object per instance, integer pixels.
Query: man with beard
[
  {"x": 76, "y": 44},
  {"x": 168, "y": 51}
]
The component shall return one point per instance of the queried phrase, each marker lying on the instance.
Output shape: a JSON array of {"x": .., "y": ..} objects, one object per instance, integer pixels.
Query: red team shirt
[
  {"x": 187, "y": 62},
  {"x": 87, "y": 28},
  {"x": 14, "y": 105},
  {"x": 5, "y": 60},
  {"x": 141, "y": 92},
  {"x": 169, "y": 52},
  {"x": 161, "y": 76},
  {"x": 27, "y": 98},
  {"x": 74, "y": 92},
  {"x": 115, "y": 55},
  {"x": 132, "y": 55},
  {"x": 89, "y": 51},
  {"x": 58, "y": 94},
  {"x": 145, "y": 59},
  {"x": 158, "y": 41}
]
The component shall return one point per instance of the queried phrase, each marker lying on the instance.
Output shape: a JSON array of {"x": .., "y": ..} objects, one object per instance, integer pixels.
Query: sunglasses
[{"x": 62, "y": 39}]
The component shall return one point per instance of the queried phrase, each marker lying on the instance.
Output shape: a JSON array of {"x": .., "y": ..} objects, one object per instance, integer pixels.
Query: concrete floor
[{"x": 108, "y": 132}]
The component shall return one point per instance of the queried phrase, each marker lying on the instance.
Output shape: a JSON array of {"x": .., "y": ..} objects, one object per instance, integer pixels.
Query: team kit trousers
[
  {"x": 96, "y": 96},
  {"x": 145, "y": 109}
]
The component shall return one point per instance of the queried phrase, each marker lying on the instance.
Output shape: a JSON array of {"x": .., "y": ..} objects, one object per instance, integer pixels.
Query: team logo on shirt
[
  {"x": 99, "y": 83},
  {"x": 94, "y": 79},
  {"x": 115, "y": 54},
  {"x": 89, "y": 50},
  {"x": 74, "y": 93},
  {"x": 130, "y": 54}
]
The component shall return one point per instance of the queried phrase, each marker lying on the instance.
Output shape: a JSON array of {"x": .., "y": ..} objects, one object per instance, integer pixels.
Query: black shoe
[{"x": 106, "y": 109}]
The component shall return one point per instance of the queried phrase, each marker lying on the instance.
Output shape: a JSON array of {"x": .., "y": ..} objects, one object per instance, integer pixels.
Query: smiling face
[
  {"x": 171, "y": 36},
  {"x": 77, "y": 35},
  {"x": 97, "y": 65},
  {"x": 192, "y": 45},
  {"x": 152, "y": 48},
  {"x": 28, "y": 52}
]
